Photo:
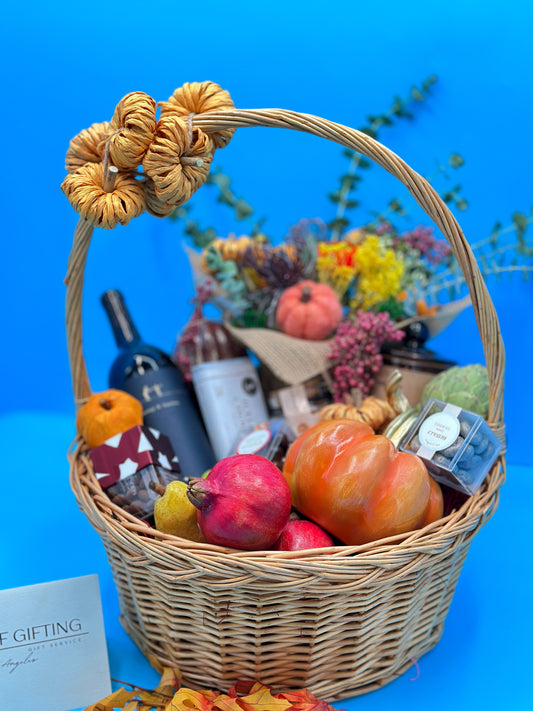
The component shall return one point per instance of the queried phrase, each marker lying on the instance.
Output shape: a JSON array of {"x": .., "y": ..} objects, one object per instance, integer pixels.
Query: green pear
[{"x": 174, "y": 513}]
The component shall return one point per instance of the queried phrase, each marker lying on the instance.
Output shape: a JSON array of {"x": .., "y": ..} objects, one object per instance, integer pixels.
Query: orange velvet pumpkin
[
  {"x": 356, "y": 485},
  {"x": 308, "y": 310},
  {"x": 106, "y": 414}
]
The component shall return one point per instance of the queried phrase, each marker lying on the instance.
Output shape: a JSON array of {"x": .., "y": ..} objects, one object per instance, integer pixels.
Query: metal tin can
[{"x": 231, "y": 400}]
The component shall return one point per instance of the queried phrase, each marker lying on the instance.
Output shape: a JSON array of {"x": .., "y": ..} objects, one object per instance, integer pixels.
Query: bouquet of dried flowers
[{"x": 374, "y": 271}]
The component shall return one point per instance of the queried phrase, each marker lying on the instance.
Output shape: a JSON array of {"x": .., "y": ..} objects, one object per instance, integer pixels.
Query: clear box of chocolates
[{"x": 457, "y": 446}]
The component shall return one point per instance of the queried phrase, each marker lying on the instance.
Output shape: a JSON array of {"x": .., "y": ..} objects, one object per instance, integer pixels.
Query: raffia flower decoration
[
  {"x": 200, "y": 98},
  {"x": 103, "y": 184},
  {"x": 132, "y": 130},
  {"x": 154, "y": 205},
  {"x": 87, "y": 146},
  {"x": 177, "y": 160},
  {"x": 85, "y": 191}
]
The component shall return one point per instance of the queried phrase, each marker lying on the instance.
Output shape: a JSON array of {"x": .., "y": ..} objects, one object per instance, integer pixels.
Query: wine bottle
[{"x": 147, "y": 373}]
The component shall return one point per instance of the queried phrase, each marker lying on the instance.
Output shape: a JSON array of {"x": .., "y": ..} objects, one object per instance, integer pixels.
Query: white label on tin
[{"x": 439, "y": 431}]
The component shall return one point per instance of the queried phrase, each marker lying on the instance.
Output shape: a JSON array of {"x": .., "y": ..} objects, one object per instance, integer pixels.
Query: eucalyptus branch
[
  {"x": 498, "y": 231},
  {"x": 524, "y": 268},
  {"x": 203, "y": 237},
  {"x": 484, "y": 259},
  {"x": 396, "y": 206},
  {"x": 397, "y": 110},
  {"x": 344, "y": 192},
  {"x": 460, "y": 281}
]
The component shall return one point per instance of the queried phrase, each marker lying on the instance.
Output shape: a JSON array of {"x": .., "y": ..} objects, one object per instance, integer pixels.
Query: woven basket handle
[{"x": 422, "y": 191}]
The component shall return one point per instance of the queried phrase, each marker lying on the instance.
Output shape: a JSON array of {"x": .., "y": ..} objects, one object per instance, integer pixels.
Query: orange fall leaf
[
  {"x": 118, "y": 699},
  {"x": 190, "y": 700},
  {"x": 243, "y": 696}
]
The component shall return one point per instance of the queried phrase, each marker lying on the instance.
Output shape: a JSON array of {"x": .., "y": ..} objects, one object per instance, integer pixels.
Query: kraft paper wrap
[{"x": 291, "y": 360}]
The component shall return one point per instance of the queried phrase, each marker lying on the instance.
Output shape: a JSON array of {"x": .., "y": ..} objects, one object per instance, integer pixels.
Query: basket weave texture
[{"x": 341, "y": 621}]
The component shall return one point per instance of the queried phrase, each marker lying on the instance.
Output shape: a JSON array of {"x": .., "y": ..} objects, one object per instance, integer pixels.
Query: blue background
[{"x": 66, "y": 66}]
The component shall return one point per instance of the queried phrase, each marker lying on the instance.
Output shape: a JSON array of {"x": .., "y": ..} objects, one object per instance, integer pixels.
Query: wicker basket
[{"x": 340, "y": 623}]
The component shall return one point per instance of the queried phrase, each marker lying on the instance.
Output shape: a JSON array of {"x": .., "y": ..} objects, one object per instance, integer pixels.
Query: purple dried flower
[
  {"x": 384, "y": 227},
  {"x": 423, "y": 239},
  {"x": 280, "y": 268}
]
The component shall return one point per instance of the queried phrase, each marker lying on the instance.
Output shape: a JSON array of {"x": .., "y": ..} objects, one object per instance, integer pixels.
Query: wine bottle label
[
  {"x": 231, "y": 400},
  {"x": 156, "y": 391}
]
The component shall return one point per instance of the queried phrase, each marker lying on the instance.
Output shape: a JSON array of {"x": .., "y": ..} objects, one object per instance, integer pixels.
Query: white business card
[{"x": 53, "y": 653}]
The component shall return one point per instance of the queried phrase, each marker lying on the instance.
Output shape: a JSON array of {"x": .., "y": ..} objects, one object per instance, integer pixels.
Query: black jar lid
[{"x": 412, "y": 353}]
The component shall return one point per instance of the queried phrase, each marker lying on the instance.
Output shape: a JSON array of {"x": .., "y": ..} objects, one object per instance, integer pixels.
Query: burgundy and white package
[{"x": 126, "y": 464}]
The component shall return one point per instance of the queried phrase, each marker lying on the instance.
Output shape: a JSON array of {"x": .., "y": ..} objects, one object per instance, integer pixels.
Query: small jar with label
[
  {"x": 128, "y": 466},
  {"x": 417, "y": 363},
  {"x": 457, "y": 446},
  {"x": 269, "y": 439}
]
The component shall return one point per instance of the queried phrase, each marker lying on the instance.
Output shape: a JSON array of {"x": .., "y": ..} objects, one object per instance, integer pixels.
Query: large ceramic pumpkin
[
  {"x": 308, "y": 310},
  {"x": 356, "y": 485}
]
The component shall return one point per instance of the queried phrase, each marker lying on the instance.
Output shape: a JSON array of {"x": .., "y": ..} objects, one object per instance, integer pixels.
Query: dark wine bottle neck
[{"x": 124, "y": 329}]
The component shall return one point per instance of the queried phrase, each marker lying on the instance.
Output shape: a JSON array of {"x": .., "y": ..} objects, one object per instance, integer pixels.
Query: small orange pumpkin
[
  {"x": 106, "y": 414},
  {"x": 308, "y": 310}
]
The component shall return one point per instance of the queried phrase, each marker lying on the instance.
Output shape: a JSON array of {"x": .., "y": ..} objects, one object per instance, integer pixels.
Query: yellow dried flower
[{"x": 380, "y": 273}]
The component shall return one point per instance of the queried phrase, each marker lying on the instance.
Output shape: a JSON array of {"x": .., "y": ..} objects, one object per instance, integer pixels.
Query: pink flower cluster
[{"x": 355, "y": 353}]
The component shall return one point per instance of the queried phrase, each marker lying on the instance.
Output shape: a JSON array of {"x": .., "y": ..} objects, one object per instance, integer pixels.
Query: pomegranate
[
  {"x": 244, "y": 502},
  {"x": 299, "y": 535}
]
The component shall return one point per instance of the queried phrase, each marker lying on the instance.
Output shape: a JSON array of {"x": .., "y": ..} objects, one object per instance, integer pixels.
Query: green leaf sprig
[
  {"x": 451, "y": 196},
  {"x": 495, "y": 256},
  {"x": 202, "y": 237},
  {"x": 228, "y": 277}
]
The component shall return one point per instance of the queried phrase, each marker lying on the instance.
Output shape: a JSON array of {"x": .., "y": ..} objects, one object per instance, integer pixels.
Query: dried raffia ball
[
  {"x": 87, "y": 146},
  {"x": 177, "y": 160},
  {"x": 200, "y": 98},
  {"x": 154, "y": 205},
  {"x": 132, "y": 130},
  {"x": 86, "y": 194}
]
